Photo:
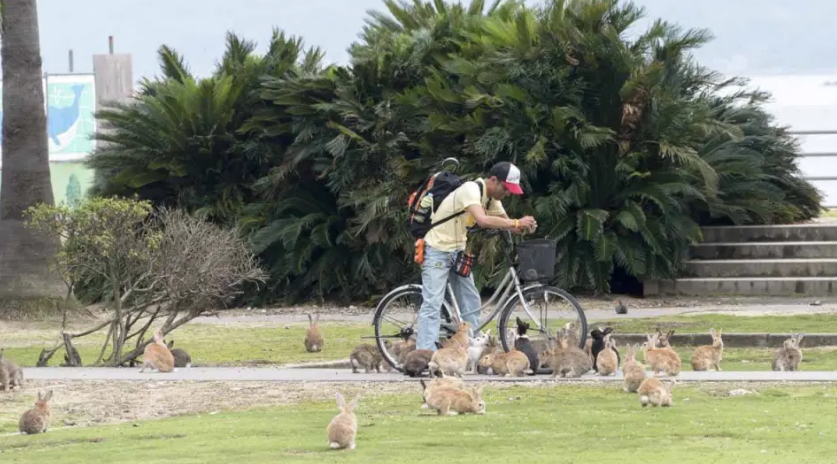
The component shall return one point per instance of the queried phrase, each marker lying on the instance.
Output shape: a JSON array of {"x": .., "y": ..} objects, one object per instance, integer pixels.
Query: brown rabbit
[
  {"x": 655, "y": 392},
  {"x": 607, "y": 362},
  {"x": 157, "y": 355},
  {"x": 511, "y": 364},
  {"x": 449, "y": 361},
  {"x": 37, "y": 419},
  {"x": 10, "y": 374},
  {"x": 450, "y": 402},
  {"x": 661, "y": 359},
  {"x": 313, "y": 337},
  {"x": 567, "y": 360},
  {"x": 417, "y": 361},
  {"x": 492, "y": 345},
  {"x": 401, "y": 348},
  {"x": 461, "y": 337},
  {"x": 342, "y": 429},
  {"x": 708, "y": 356},
  {"x": 664, "y": 340},
  {"x": 633, "y": 370},
  {"x": 368, "y": 357},
  {"x": 439, "y": 383},
  {"x": 789, "y": 356},
  {"x": 571, "y": 331}
]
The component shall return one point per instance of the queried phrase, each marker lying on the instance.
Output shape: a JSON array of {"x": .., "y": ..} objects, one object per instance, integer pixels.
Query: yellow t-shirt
[{"x": 453, "y": 234}]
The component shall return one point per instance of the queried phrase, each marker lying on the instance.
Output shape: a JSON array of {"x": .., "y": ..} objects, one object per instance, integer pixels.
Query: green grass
[
  {"x": 810, "y": 323},
  {"x": 211, "y": 345},
  {"x": 533, "y": 425}
]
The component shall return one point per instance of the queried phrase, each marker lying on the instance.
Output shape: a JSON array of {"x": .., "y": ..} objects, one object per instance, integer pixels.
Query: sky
[{"x": 753, "y": 37}]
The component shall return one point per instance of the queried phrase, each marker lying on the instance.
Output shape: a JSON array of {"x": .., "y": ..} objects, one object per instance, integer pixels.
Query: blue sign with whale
[{"x": 70, "y": 106}]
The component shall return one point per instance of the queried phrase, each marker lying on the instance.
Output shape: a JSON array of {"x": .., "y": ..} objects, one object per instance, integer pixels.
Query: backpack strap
[{"x": 480, "y": 185}]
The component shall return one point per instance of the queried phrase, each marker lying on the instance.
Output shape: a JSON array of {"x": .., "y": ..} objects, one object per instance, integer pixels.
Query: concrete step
[
  {"x": 817, "y": 232},
  {"x": 764, "y": 250},
  {"x": 751, "y": 286},
  {"x": 761, "y": 268}
]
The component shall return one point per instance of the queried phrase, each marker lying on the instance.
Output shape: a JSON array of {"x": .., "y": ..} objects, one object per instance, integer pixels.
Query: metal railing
[{"x": 827, "y": 178}]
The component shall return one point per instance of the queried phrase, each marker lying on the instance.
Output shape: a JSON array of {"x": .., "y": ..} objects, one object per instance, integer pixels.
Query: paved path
[
  {"x": 346, "y": 375},
  {"x": 592, "y": 314}
]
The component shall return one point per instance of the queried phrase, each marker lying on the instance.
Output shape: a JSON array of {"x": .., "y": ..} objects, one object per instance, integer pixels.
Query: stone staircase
[{"x": 786, "y": 260}]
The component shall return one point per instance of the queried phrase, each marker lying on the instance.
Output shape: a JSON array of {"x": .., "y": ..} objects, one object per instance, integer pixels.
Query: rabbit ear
[
  {"x": 310, "y": 320},
  {"x": 48, "y": 396},
  {"x": 799, "y": 338},
  {"x": 40, "y": 398},
  {"x": 340, "y": 401},
  {"x": 670, "y": 333},
  {"x": 170, "y": 344},
  {"x": 354, "y": 401},
  {"x": 608, "y": 330}
]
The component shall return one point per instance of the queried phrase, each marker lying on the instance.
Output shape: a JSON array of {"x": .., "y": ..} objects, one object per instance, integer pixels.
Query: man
[{"x": 445, "y": 241}]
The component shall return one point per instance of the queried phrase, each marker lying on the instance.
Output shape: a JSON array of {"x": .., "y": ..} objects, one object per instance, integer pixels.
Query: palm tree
[{"x": 26, "y": 282}]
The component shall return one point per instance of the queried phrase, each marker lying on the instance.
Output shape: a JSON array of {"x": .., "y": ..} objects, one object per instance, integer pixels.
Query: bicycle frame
[{"x": 508, "y": 288}]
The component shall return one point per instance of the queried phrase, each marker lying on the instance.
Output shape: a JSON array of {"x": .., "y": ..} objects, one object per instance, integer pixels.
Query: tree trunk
[{"x": 26, "y": 283}]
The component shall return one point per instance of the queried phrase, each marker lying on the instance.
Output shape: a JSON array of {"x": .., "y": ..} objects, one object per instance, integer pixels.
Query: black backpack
[{"x": 426, "y": 199}]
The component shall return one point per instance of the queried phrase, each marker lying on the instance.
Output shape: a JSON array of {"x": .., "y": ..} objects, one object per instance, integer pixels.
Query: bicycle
[{"x": 510, "y": 293}]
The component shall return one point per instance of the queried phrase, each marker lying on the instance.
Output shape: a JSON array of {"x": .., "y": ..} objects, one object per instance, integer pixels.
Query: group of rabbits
[
  {"x": 157, "y": 355},
  {"x": 35, "y": 420}
]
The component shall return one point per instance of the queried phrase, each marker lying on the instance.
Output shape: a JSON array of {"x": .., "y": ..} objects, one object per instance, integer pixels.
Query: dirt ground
[{"x": 90, "y": 403}]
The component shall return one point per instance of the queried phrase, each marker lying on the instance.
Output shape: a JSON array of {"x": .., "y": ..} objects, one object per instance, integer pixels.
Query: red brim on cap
[{"x": 513, "y": 188}]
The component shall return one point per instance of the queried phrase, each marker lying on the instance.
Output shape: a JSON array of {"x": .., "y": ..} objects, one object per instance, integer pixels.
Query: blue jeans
[{"x": 435, "y": 272}]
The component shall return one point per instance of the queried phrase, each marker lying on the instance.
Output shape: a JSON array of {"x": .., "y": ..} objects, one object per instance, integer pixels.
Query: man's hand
[{"x": 528, "y": 223}]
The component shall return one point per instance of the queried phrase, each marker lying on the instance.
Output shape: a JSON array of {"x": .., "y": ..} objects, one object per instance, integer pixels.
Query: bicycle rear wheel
[
  {"x": 396, "y": 319},
  {"x": 551, "y": 309}
]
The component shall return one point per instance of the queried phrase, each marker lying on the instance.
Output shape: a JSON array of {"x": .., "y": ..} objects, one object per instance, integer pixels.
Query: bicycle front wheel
[{"x": 550, "y": 309}]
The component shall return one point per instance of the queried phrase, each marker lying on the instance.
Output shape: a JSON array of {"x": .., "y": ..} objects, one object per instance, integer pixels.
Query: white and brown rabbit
[
  {"x": 788, "y": 357},
  {"x": 313, "y": 337},
  {"x": 509, "y": 364},
  {"x": 661, "y": 359},
  {"x": 451, "y": 401},
  {"x": 567, "y": 360},
  {"x": 37, "y": 419},
  {"x": 342, "y": 430},
  {"x": 11, "y": 375},
  {"x": 707, "y": 356},
  {"x": 181, "y": 357},
  {"x": 632, "y": 370},
  {"x": 607, "y": 361},
  {"x": 449, "y": 361},
  {"x": 368, "y": 357},
  {"x": 157, "y": 355},
  {"x": 476, "y": 349},
  {"x": 655, "y": 392}
]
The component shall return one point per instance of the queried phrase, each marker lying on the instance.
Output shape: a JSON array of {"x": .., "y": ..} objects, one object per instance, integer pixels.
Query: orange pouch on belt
[{"x": 418, "y": 256}]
